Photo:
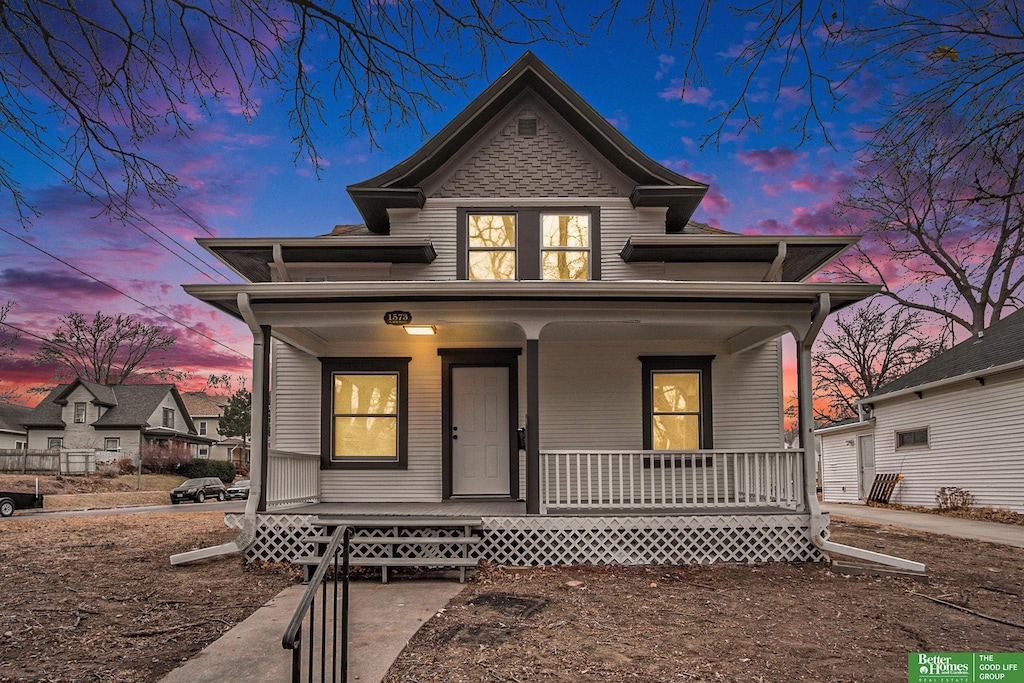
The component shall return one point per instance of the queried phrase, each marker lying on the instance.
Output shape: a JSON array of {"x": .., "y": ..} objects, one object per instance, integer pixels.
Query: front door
[
  {"x": 866, "y": 463},
  {"x": 480, "y": 433}
]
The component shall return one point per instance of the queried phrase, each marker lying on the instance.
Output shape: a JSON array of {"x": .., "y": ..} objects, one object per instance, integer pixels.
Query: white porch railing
[
  {"x": 292, "y": 478},
  {"x": 610, "y": 480}
]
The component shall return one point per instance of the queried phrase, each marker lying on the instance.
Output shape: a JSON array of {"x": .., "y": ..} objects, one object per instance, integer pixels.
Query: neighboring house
[
  {"x": 206, "y": 411},
  {"x": 119, "y": 419},
  {"x": 951, "y": 422},
  {"x": 529, "y": 327},
  {"x": 12, "y": 435}
]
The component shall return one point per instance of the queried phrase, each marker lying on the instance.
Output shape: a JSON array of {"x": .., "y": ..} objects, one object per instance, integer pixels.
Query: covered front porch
[{"x": 583, "y": 482}]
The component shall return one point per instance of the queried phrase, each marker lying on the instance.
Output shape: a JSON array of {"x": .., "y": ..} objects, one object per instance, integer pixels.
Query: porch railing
[
  {"x": 618, "y": 480},
  {"x": 322, "y": 655},
  {"x": 292, "y": 478}
]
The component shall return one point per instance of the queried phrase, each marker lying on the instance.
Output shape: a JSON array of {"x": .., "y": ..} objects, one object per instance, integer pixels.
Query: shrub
[
  {"x": 107, "y": 469},
  {"x": 164, "y": 458},
  {"x": 224, "y": 471},
  {"x": 953, "y": 498},
  {"x": 125, "y": 466}
]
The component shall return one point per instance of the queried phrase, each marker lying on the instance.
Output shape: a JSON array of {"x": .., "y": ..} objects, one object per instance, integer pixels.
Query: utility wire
[
  {"x": 133, "y": 211},
  {"x": 115, "y": 289}
]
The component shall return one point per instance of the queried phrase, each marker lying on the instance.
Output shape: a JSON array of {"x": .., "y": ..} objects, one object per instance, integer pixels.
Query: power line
[
  {"x": 135, "y": 212},
  {"x": 115, "y": 289}
]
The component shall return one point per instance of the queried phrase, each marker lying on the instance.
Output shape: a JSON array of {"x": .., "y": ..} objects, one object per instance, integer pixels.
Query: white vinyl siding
[
  {"x": 584, "y": 409},
  {"x": 839, "y": 466},
  {"x": 974, "y": 442},
  {"x": 580, "y": 408},
  {"x": 439, "y": 225}
]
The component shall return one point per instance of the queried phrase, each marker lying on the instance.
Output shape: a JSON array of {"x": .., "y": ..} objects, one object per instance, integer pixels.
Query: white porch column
[
  {"x": 260, "y": 409},
  {"x": 805, "y": 402}
]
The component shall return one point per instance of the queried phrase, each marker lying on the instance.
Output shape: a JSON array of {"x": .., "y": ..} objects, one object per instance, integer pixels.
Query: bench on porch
[{"x": 399, "y": 541}]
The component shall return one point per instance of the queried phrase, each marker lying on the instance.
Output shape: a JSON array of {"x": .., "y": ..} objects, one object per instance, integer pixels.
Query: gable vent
[{"x": 526, "y": 128}]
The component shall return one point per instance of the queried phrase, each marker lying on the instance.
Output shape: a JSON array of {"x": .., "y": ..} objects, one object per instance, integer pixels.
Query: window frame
[
  {"x": 329, "y": 367},
  {"x": 81, "y": 417},
  {"x": 529, "y": 239},
  {"x": 897, "y": 433},
  {"x": 50, "y": 441},
  {"x": 201, "y": 427},
  {"x": 167, "y": 419},
  {"x": 569, "y": 250},
  {"x": 117, "y": 444},
  {"x": 652, "y": 365}
]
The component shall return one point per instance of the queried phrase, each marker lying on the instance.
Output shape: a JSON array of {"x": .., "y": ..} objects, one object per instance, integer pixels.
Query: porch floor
[{"x": 511, "y": 508}]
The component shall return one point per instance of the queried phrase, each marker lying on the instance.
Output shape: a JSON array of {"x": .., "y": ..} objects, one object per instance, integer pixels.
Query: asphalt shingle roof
[
  {"x": 130, "y": 405},
  {"x": 1001, "y": 343},
  {"x": 11, "y": 416}
]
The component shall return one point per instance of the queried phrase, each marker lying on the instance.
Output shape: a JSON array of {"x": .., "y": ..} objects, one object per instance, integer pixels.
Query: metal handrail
[{"x": 292, "y": 638}]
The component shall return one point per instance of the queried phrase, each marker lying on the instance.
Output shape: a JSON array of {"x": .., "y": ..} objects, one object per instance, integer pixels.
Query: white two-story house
[{"x": 528, "y": 326}]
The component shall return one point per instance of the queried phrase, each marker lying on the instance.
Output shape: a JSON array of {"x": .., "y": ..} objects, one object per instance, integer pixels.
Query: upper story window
[
  {"x": 80, "y": 412},
  {"x": 565, "y": 246},
  {"x": 202, "y": 427},
  {"x": 168, "y": 418},
  {"x": 529, "y": 244},
  {"x": 492, "y": 246}
]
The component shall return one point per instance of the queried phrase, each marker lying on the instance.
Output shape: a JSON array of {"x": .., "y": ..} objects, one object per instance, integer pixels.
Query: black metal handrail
[{"x": 334, "y": 650}]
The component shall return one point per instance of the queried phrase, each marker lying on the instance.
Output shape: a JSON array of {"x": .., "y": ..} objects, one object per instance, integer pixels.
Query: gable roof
[
  {"x": 654, "y": 185},
  {"x": 201, "y": 403},
  {"x": 11, "y": 416},
  {"x": 1001, "y": 344},
  {"x": 128, "y": 405}
]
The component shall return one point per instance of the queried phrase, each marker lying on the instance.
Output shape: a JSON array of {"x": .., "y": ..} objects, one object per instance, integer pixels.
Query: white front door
[
  {"x": 480, "y": 431},
  {"x": 866, "y": 463}
]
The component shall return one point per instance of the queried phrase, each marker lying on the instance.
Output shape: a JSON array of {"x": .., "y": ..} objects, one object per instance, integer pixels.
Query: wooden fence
[{"x": 65, "y": 461}]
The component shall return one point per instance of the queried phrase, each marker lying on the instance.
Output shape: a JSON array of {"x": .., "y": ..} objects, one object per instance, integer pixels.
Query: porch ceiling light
[{"x": 422, "y": 330}]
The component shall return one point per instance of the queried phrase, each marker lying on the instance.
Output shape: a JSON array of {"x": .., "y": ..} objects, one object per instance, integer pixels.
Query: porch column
[
  {"x": 533, "y": 426},
  {"x": 260, "y": 410},
  {"x": 805, "y": 401}
]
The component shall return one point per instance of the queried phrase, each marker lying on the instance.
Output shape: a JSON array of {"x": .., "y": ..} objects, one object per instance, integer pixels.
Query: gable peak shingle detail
[
  {"x": 653, "y": 185},
  {"x": 548, "y": 163}
]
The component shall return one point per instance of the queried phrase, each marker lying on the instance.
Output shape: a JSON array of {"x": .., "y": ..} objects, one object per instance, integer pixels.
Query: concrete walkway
[
  {"x": 382, "y": 619},
  {"x": 991, "y": 532}
]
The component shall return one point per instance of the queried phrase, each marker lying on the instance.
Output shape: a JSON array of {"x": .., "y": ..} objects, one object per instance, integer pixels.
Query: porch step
[
  {"x": 380, "y": 521},
  {"x": 413, "y": 548},
  {"x": 410, "y": 540}
]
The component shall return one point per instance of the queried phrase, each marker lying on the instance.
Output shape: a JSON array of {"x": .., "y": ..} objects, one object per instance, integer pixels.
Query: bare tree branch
[
  {"x": 112, "y": 76},
  {"x": 947, "y": 220},
  {"x": 107, "y": 350},
  {"x": 868, "y": 348}
]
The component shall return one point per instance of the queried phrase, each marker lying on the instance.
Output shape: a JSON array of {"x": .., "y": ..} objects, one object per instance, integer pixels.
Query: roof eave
[{"x": 955, "y": 379}]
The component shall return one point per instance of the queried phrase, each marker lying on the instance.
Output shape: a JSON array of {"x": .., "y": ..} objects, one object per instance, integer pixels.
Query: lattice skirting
[
  {"x": 636, "y": 540},
  {"x": 697, "y": 539}
]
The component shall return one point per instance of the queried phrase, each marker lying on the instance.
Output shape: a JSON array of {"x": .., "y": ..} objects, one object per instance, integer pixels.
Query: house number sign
[{"x": 398, "y": 317}]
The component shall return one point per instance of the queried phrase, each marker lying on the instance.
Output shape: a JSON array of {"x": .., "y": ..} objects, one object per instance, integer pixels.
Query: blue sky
[{"x": 240, "y": 178}]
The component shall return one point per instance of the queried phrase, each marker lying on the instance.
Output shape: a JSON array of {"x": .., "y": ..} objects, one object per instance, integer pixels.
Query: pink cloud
[
  {"x": 774, "y": 159},
  {"x": 665, "y": 63},
  {"x": 699, "y": 95},
  {"x": 714, "y": 201}
]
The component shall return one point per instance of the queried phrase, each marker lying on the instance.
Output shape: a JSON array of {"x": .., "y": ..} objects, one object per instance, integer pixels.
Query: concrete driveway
[{"x": 991, "y": 532}]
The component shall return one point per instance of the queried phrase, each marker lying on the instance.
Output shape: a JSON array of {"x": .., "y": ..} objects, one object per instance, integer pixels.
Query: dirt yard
[
  {"x": 95, "y": 599},
  {"x": 775, "y": 623}
]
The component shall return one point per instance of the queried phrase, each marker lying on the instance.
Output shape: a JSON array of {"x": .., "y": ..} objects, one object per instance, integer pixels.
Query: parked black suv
[{"x": 199, "y": 490}]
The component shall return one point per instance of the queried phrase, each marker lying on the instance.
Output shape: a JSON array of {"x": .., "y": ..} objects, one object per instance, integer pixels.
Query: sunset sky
[{"x": 241, "y": 179}]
